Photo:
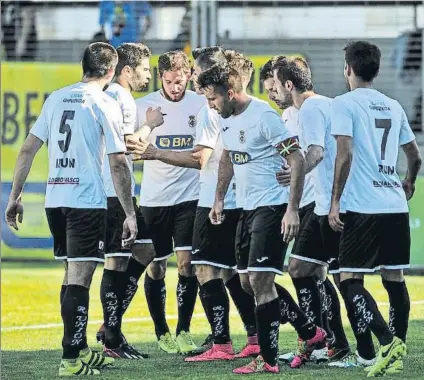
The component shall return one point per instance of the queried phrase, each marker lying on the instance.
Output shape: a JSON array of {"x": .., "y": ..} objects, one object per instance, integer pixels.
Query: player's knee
[
  {"x": 245, "y": 284},
  {"x": 144, "y": 253},
  {"x": 299, "y": 268},
  {"x": 206, "y": 273},
  {"x": 81, "y": 273},
  {"x": 395, "y": 275},
  {"x": 118, "y": 264},
  {"x": 185, "y": 268},
  {"x": 321, "y": 272},
  {"x": 157, "y": 270},
  {"x": 227, "y": 274}
]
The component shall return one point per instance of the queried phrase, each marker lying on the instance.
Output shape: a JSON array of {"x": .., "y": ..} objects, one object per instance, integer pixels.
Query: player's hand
[
  {"x": 408, "y": 188},
  {"x": 130, "y": 230},
  {"x": 334, "y": 218},
  {"x": 14, "y": 208},
  {"x": 290, "y": 225},
  {"x": 154, "y": 117},
  {"x": 216, "y": 215},
  {"x": 284, "y": 176}
]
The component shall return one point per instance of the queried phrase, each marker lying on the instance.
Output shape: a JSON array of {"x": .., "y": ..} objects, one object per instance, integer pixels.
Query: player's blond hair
[{"x": 176, "y": 60}]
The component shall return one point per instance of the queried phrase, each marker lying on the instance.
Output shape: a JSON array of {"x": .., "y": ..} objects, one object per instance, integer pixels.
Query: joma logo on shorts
[
  {"x": 174, "y": 142},
  {"x": 239, "y": 158}
]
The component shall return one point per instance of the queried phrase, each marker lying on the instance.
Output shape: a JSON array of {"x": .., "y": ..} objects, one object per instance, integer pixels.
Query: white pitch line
[{"x": 132, "y": 320}]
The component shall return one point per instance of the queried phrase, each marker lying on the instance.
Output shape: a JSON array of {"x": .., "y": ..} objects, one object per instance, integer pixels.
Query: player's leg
[
  {"x": 245, "y": 304},
  {"x": 111, "y": 289},
  {"x": 85, "y": 230},
  {"x": 183, "y": 222},
  {"x": 394, "y": 283},
  {"x": 362, "y": 239},
  {"x": 159, "y": 224}
]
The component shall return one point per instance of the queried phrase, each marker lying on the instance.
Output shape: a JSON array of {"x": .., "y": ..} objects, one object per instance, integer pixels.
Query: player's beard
[
  {"x": 167, "y": 97},
  {"x": 347, "y": 84}
]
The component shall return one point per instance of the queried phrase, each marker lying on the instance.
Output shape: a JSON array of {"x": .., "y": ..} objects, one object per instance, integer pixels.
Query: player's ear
[
  {"x": 288, "y": 85},
  {"x": 231, "y": 94}
]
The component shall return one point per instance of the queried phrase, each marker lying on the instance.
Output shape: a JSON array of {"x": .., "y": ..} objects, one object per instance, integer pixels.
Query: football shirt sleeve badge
[{"x": 288, "y": 146}]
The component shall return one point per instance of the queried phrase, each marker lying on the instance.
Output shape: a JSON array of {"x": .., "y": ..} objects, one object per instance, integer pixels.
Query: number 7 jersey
[
  {"x": 378, "y": 126},
  {"x": 77, "y": 123}
]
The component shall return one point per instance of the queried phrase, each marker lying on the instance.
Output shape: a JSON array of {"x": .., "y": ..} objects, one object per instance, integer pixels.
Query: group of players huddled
[{"x": 227, "y": 184}]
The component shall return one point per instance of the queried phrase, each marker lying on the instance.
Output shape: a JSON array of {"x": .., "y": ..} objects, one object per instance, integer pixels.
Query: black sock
[
  {"x": 218, "y": 306},
  {"x": 202, "y": 296},
  {"x": 291, "y": 312},
  {"x": 399, "y": 308},
  {"x": 334, "y": 315},
  {"x": 324, "y": 311},
  {"x": 62, "y": 293},
  {"x": 111, "y": 294},
  {"x": 268, "y": 322},
  {"x": 309, "y": 298},
  {"x": 366, "y": 310},
  {"x": 74, "y": 310},
  {"x": 245, "y": 304},
  {"x": 129, "y": 284},
  {"x": 156, "y": 297},
  {"x": 186, "y": 299}
]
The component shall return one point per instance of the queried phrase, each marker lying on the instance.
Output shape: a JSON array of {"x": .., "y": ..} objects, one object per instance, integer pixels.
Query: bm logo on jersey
[
  {"x": 174, "y": 142},
  {"x": 239, "y": 158}
]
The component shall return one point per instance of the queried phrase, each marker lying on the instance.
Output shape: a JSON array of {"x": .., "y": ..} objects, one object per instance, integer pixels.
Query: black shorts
[
  {"x": 78, "y": 233},
  {"x": 373, "y": 241},
  {"x": 114, "y": 228},
  {"x": 317, "y": 242},
  {"x": 215, "y": 244},
  {"x": 259, "y": 243},
  {"x": 170, "y": 227},
  {"x": 305, "y": 213}
]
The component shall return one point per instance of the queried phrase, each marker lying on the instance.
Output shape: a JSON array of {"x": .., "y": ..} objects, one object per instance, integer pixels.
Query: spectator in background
[{"x": 125, "y": 21}]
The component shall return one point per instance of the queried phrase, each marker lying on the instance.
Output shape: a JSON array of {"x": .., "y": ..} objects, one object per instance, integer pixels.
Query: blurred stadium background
[
  {"x": 42, "y": 43},
  {"x": 41, "y": 46}
]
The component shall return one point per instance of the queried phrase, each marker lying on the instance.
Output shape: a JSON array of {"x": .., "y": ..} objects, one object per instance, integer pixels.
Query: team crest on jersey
[
  {"x": 242, "y": 137},
  {"x": 192, "y": 121}
]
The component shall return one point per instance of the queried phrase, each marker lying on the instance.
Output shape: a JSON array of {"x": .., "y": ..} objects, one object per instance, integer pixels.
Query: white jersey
[
  {"x": 291, "y": 120},
  {"x": 164, "y": 184},
  {"x": 77, "y": 122},
  {"x": 208, "y": 133},
  {"x": 251, "y": 139},
  {"x": 378, "y": 125},
  {"x": 129, "y": 112},
  {"x": 315, "y": 129}
]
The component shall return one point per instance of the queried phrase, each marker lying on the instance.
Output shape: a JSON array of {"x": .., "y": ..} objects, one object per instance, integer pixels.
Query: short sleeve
[
  {"x": 406, "y": 134},
  {"x": 272, "y": 128},
  {"x": 128, "y": 109},
  {"x": 207, "y": 128},
  {"x": 112, "y": 124},
  {"x": 341, "y": 118},
  {"x": 40, "y": 128},
  {"x": 313, "y": 124}
]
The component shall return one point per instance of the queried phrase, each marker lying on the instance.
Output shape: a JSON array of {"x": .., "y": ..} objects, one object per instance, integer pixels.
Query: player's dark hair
[
  {"x": 220, "y": 79},
  {"x": 131, "y": 54},
  {"x": 266, "y": 70},
  {"x": 240, "y": 63},
  {"x": 208, "y": 57},
  {"x": 175, "y": 60},
  {"x": 99, "y": 58},
  {"x": 295, "y": 70},
  {"x": 364, "y": 58}
]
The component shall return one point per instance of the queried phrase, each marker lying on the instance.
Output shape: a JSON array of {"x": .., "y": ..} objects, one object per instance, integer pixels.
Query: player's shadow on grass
[{"x": 43, "y": 365}]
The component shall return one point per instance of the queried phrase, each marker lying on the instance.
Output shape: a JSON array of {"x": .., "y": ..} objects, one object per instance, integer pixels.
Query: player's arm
[
  {"x": 24, "y": 162},
  {"x": 153, "y": 118},
  {"x": 38, "y": 135},
  {"x": 413, "y": 156},
  {"x": 313, "y": 157},
  {"x": 273, "y": 130},
  {"x": 342, "y": 129},
  {"x": 111, "y": 121},
  {"x": 225, "y": 174}
]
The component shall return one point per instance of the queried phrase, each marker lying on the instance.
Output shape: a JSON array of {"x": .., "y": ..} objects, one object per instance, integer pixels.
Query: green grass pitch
[{"x": 31, "y": 331}]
